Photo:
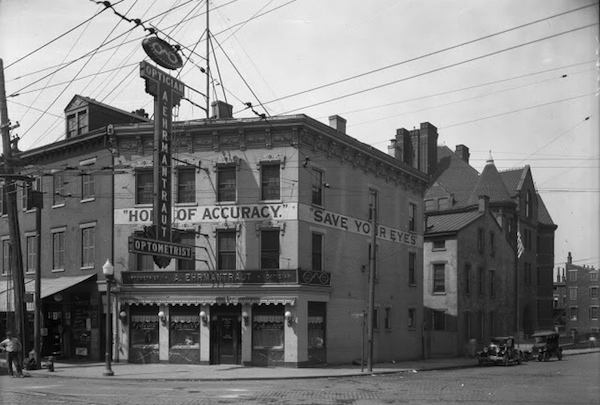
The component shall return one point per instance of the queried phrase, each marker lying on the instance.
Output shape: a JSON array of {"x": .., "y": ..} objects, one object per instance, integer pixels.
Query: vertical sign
[{"x": 167, "y": 92}]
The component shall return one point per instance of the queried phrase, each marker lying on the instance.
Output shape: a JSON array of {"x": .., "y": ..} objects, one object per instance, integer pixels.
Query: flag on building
[{"x": 520, "y": 248}]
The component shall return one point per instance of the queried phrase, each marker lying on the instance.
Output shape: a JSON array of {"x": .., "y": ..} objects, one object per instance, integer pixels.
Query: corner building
[{"x": 277, "y": 213}]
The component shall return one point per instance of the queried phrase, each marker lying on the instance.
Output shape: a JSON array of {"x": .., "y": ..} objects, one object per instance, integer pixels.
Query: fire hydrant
[{"x": 50, "y": 363}]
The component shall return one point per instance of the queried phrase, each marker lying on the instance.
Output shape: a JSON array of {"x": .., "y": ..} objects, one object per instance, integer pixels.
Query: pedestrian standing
[{"x": 12, "y": 346}]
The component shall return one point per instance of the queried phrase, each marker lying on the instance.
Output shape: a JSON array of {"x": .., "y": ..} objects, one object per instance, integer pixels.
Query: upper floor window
[
  {"x": 375, "y": 318},
  {"x": 492, "y": 280},
  {"x": 31, "y": 254},
  {"x": 143, "y": 262},
  {"x": 593, "y": 276},
  {"x": 144, "y": 186},
  {"x": 528, "y": 204},
  {"x": 467, "y": 276},
  {"x": 439, "y": 278},
  {"x": 387, "y": 318},
  {"x": 573, "y": 275},
  {"x": 439, "y": 244},
  {"x": 186, "y": 185},
  {"x": 593, "y": 292},
  {"x": 480, "y": 283},
  {"x": 88, "y": 247},
  {"x": 3, "y": 201},
  {"x": 269, "y": 249},
  {"x": 492, "y": 243},
  {"x": 573, "y": 293},
  {"x": 226, "y": 183},
  {"x": 187, "y": 239},
  {"x": 412, "y": 260},
  {"x": 269, "y": 180},
  {"x": 412, "y": 221},
  {"x": 58, "y": 250},
  {"x": 317, "y": 187},
  {"x": 412, "y": 318},
  {"x": 77, "y": 123},
  {"x": 527, "y": 274},
  {"x": 593, "y": 313},
  {"x": 5, "y": 256},
  {"x": 573, "y": 313},
  {"x": 58, "y": 193},
  {"x": 226, "y": 250},
  {"x": 88, "y": 186},
  {"x": 480, "y": 240},
  {"x": 317, "y": 252}
]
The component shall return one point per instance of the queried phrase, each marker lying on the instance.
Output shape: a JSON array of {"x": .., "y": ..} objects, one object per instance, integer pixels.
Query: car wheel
[{"x": 519, "y": 360}]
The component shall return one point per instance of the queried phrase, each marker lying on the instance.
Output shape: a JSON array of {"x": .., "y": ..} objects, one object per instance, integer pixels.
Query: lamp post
[{"x": 109, "y": 272}]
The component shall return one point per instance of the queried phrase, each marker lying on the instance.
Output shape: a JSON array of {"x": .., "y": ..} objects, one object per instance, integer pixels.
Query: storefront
[{"x": 192, "y": 326}]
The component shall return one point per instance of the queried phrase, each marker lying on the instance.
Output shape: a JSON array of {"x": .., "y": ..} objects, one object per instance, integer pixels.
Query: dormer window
[{"x": 77, "y": 123}]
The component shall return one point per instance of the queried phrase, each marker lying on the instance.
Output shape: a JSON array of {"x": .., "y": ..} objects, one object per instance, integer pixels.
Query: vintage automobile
[
  {"x": 500, "y": 350},
  {"x": 546, "y": 345}
]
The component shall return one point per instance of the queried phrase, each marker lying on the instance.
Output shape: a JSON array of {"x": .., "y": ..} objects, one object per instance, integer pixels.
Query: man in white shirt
[{"x": 13, "y": 348}]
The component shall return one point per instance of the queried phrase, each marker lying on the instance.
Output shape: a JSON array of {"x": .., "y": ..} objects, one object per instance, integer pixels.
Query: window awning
[{"x": 49, "y": 287}]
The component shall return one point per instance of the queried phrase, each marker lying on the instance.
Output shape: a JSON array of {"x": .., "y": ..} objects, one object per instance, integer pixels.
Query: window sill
[
  {"x": 59, "y": 205},
  {"x": 226, "y": 202},
  {"x": 187, "y": 204},
  {"x": 439, "y": 293},
  {"x": 58, "y": 270},
  {"x": 412, "y": 328},
  {"x": 277, "y": 201},
  {"x": 89, "y": 199},
  {"x": 412, "y": 285},
  {"x": 439, "y": 249},
  {"x": 87, "y": 268}
]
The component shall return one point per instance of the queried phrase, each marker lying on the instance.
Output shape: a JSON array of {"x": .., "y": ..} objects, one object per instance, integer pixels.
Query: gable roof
[
  {"x": 513, "y": 179},
  {"x": 451, "y": 222},
  {"x": 455, "y": 175},
  {"x": 490, "y": 183},
  {"x": 543, "y": 214},
  {"x": 79, "y": 101}
]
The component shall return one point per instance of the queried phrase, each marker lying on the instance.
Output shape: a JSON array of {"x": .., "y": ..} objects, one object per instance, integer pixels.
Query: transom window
[{"x": 269, "y": 180}]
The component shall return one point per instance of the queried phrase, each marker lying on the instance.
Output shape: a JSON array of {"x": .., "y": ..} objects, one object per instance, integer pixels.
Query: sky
[{"x": 517, "y": 79}]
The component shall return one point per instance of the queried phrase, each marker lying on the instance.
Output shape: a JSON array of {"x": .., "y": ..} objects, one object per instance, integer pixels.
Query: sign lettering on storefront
[
  {"x": 294, "y": 276},
  {"x": 155, "y": 247}
]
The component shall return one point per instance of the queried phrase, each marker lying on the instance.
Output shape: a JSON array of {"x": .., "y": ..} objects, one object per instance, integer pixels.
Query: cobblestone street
[{"x": 573, "y": 380}]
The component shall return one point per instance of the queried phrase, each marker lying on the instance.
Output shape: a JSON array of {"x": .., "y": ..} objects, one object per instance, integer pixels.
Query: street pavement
[{"x": 193, "y": 372}]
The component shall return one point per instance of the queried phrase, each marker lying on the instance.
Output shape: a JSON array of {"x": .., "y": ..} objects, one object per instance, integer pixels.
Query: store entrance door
[{"x": 227, "y": 340}]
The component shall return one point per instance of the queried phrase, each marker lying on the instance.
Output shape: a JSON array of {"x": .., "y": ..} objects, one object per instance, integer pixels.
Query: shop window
[
  {"x": 88, "y": 247},
  {"x": 144, "y": 331},
  {"x": 186, "y": 185},
  {"x": 317, "y": 187},
  {"x": 412, "y": 260},
  {"x": 316, "y": 325},
  {"x": 226, "y": 183},
  {"x": 269, "y": 180},
  {"x": 412, "y": 318},
  {"x": 184, "y": 331},
  {"x": 317, "y": 252},
  {"x": 267, "y": 331},
  {"x": 226, "y": 250},
  {"x": 31, "y": 254},
  {"x": 439, "y": 278},
  {"x": 269, "y": 249},
  {"x": 58, "y": 250},
  {"x": 88, "y": 186},
  {"x": 438, "y": 320},
  {"x": 58, "y": 193},
  {"x": 144, "y": 186},
  {"x": 187, "y": 239}
]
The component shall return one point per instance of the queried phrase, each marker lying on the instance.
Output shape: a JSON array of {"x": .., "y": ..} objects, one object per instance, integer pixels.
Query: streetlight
[{"x": 109, "y": 273}]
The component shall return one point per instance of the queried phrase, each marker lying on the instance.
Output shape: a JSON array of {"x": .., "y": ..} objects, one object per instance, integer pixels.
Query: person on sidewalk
[{"x": 12, "y": 346}]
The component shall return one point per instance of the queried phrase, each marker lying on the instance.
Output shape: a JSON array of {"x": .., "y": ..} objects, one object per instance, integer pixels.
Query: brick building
[{"x": 277, "y": 214}]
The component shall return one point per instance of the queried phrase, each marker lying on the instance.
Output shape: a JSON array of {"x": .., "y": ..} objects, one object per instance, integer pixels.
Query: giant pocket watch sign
[{"x": 162, "y": 53}]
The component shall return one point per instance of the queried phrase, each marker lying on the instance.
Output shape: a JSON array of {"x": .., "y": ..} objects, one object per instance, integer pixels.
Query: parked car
[
  {"x": 546, "y": 345},
  {"x": 500, "y": 350}
]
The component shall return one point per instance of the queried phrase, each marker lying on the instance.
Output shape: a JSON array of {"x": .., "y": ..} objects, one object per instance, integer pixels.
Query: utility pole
[
  {"x": 372, "y": 272},
  {"x": 207, "y": 61},
  {"x": 16, "y": 258}
]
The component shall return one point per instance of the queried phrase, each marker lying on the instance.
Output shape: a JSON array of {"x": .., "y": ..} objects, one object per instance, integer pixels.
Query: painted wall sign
[
  {"x": 358, "y": 226},
  {"x": 162, "y": 53},
  {"x": 167, "y": 92},
  {"x": 224, "y": 277},
  {"x": 212, "y": 213}
]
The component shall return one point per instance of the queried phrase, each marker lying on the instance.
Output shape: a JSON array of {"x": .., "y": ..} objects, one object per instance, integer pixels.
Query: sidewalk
[{"x": 184, "y": 372}]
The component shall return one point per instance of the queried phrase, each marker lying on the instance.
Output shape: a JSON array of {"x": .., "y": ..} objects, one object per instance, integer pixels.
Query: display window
[{"x": 184, "y": 331}]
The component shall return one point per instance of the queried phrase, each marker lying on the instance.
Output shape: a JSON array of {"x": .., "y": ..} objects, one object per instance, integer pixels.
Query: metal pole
[
  {"x": 37, "y": 316},
  {"x": 207, "y": 62},
  {"x": 108, "y": 371},
  {"x": 372, "y": 272}
]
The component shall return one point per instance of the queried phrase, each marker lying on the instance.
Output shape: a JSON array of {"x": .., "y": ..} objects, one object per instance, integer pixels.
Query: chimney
[
  {"x": 569, "y": 259},
  {"x": 338, "y": 123},
  {"x": 397, "y": 146},
  {"x": 463, "y": 152},
  {"x": 221, "y": 110},
  {"x": 484, "y": 201}
]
